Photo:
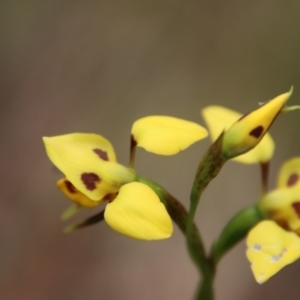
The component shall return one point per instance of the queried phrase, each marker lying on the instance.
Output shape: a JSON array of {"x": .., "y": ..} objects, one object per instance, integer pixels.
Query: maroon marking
[
  {"x": 292, "y": 179},
  {"x": 133, "y": 142},
  {"x": 256, "y": 132},
  {"x": 90, "y": 180},
  {"x": 102, "y": 154},
  {"x": 70, "y": 187},
  {"x": 296, "y": 207}
]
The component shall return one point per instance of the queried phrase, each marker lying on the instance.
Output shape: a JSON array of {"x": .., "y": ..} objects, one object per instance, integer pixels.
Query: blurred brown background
[{"x": 96, "y": 66}]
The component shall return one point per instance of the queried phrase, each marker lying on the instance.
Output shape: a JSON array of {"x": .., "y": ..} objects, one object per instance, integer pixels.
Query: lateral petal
[
  {"x": 166, "y": 135},
  {"x": 138, "y": 213}
]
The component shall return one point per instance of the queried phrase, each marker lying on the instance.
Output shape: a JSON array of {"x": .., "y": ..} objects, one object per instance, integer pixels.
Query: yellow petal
[
  {"x": 219, "y": 118},
  {"x": 138, "y": 213},
  {"x": 270, "y": 248},
  {"x": 69, "y": 190},
  {"x": 88, "y": 161},
  {"x": 248, "y": 131},
  {"x": 283, "y": 206},
  {"x": 289, "y": 174},
  {"x": 166, "y": 135}
]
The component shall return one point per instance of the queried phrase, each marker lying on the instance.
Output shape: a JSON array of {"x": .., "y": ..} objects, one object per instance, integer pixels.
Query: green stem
[
  {"x": 208, "y": 169},
  {"x": 198, "y": 257},
  {"x": 205, "y": 290}
]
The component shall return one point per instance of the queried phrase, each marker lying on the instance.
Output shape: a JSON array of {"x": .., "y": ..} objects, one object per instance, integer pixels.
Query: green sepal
[
  {"x": 70, "y": 211},
  {"x": 85, "y": 223},
  {"x": 235, "y": 230}
]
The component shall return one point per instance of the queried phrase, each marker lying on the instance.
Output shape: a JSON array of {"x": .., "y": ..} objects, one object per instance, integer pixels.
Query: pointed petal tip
[
  {"x": 70, "y": 212},
  {"x": 45, "y": 139}
]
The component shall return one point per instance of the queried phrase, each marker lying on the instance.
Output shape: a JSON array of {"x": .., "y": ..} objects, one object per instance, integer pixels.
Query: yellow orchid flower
[
  {"x": 243, "y": 133},
  {"x": 89, "y": 164},
  {"x": 93, "y": 175},
  {"x": 275, "y": 243}
]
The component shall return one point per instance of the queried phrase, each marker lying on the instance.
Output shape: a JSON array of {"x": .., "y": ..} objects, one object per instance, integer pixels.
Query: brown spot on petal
[
  {"x": 292, "y": 179},
  {"x": 90, "y": 180},
  {"x": 102, "y": 154},
  {"x": 296, "y": 207},
  {"x": 256, "y": 132},
  {"x": 70, "y": 187}
]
